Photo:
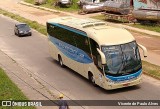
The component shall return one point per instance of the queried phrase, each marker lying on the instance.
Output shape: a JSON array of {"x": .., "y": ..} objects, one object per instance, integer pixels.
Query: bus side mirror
[
  {"x": 144, "y": 50},
  {"x": 103, "y": 58}
]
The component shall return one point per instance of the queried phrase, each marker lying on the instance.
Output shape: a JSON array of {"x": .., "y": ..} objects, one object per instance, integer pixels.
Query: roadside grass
[
  {"x": 155, "y": 28},
  {"x": 50, "y": 4},
  {"x": 151, "y": 69},
  {"x": 99, "y": 17},
  {"x": 102, "y": 17},
  {"x": 9, "y": 91},
  {"x": 150, "y": 27},
  {"x": 148, "y": 68},
  {"x": 33, "y": 24},
  {"x": 30, "y": 1}
]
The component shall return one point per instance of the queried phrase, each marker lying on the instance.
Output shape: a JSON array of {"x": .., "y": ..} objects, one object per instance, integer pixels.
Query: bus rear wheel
[{"x": 60, "y": 61}]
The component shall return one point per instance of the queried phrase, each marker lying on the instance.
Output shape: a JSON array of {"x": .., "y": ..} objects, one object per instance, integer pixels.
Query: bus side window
[
  {"x": 82, "y": 43},
  {"x": 62, "y": 34},
  {"x": 49, "y": 29}
]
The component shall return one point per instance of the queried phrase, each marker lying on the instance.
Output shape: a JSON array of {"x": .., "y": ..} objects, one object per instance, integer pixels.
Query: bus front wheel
[
  {"x": 91, "y": 78},
  {"x": 60, "y": 61}
]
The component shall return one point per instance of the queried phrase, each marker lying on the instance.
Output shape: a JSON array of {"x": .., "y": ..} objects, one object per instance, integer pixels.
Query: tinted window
[
  {"x": 61, "y": 34},
  {"x": 82, "y": 42},
  {"x": 122, "y": 59},
  {"x": 23, "y": 27},
  {"x": 70, "y": 37}
]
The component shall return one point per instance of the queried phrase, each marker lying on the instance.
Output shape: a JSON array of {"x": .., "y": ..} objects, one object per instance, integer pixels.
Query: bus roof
[{"x": 97, "y": 30}]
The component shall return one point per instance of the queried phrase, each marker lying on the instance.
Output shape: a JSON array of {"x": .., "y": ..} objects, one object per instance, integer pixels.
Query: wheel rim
[
  {"x": 92, "y": 80},
  {"x": 60, "y": 61}
]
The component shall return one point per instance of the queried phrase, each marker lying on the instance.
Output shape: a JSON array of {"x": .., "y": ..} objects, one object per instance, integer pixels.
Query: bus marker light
[{"x": 127, "y": 84}]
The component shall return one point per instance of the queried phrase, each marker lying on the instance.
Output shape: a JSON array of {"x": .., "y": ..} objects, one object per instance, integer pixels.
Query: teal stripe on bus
[{"x": 70, "y": 29}]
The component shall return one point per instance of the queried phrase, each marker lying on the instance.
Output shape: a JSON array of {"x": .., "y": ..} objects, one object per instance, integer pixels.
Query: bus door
[{"x": 98, "y": 70}]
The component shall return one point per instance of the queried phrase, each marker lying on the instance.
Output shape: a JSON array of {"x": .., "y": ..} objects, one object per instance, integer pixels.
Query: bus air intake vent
[
  {"x": 100, "y": 28},
  {"x": 90, "y": 24},
  {"x": 66, "y": 18}
]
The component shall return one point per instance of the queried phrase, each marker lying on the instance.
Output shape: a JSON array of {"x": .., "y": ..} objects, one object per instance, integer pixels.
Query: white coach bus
[{"x": 107, "y": 56}]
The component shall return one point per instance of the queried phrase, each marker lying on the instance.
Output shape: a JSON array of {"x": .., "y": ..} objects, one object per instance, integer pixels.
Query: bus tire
[{"x": 60, "y": 61}]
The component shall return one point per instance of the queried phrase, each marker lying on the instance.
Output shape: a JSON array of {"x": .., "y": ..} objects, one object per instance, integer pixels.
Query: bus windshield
[{"x": 122, "y": 59}]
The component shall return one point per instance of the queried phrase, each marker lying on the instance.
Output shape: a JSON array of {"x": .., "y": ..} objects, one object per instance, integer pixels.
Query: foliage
[
  {"x": 51, "y": 3},
  {"x": 9, "y": 91}
]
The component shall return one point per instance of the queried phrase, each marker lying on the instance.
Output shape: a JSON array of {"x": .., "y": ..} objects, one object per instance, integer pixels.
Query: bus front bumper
[{"x": 111, "y": 86}]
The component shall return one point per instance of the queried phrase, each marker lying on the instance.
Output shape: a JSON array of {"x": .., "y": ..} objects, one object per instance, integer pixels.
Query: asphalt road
[{"x": 32, "y": 53}]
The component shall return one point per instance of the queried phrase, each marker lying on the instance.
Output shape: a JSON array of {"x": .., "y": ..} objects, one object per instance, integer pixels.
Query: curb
[
  {"x": 38, "y": 7},
  {"x": 43, "y": 8},
  {"x": 148, "y": 32}
]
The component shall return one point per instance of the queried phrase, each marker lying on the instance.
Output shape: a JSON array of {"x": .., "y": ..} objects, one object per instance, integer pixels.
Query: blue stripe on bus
[
  {"x": 126, "y": 77},
  {"x": 71, "y": 51},
  {"x": 70, "y": 29}
]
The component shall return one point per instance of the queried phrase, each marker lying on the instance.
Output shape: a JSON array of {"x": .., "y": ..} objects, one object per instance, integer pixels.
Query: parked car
[
  {"x": 40, "y": 2},
  {"x": 22, "y": 29},
  {"x": 81, "y": 3},
  {"x": 62, "y": 3}
]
